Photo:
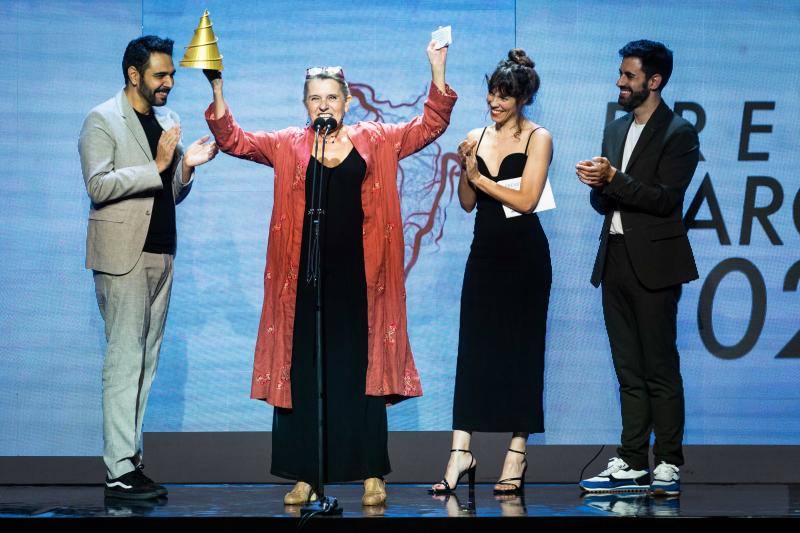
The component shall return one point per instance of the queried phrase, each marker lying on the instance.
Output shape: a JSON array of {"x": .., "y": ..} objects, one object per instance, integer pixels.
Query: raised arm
[
  {"x": 230, "y": 137},
  {"x": 411, "y": 137},
  {"x": 438, "y": 61}
]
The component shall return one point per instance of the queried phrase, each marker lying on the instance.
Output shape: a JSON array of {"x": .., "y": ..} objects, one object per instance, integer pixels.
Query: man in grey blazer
[{"x": 135, "y": 171}]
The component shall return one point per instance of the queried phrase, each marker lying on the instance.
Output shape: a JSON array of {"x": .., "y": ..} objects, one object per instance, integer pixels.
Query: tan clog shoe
[
  {"x": 299, "y": 494},
  {"x": 374, "y": 491}
]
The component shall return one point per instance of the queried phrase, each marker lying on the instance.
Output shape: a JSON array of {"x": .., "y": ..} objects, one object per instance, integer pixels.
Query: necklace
[{"x": 333, "y": 139}]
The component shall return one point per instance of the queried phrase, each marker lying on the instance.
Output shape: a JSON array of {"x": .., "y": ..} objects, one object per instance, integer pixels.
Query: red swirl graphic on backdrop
[{"x": 426, "y": 180}]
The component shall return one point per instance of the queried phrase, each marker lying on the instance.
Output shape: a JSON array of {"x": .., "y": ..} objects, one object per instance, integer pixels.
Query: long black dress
[
  {"x": 504, "y": 300},
  {"x": 356, "y": 424}
]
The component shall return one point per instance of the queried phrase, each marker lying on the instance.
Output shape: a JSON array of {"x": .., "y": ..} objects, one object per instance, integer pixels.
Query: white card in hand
[
  {"x": 546, "y": 201},
  {"x": 443, "y": 37}
]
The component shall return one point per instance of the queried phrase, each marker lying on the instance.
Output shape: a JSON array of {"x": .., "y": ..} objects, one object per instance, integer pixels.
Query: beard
[
  {"x": 150, "y": 95},
  {"x": 633, "y": 101}
]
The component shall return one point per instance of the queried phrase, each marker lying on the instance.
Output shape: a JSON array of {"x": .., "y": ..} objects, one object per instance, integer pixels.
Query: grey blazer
[{"x": 119, "y": 170}]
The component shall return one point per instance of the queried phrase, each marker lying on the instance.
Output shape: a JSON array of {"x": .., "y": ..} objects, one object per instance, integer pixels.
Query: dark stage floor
[{"x": 408, "y": 506}]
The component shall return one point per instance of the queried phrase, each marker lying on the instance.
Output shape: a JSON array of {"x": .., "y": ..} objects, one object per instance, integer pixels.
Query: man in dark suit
[{"x": 649, "y": 157}]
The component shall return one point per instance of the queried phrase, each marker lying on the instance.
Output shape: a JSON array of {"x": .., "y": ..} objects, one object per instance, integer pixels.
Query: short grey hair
[{"x": 325, "y": 76}]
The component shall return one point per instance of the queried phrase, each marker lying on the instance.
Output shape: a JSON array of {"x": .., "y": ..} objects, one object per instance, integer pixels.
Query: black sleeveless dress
[
  {"x": 357, "y": 445},
  {"x": 504, "y": 300}
]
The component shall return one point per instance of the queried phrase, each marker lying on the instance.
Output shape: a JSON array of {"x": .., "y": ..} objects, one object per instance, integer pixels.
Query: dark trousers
[{"x": 641, "y": 325}]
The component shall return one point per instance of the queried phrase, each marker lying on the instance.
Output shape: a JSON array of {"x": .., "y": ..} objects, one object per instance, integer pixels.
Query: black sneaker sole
[{"x": 130, "y": 495}]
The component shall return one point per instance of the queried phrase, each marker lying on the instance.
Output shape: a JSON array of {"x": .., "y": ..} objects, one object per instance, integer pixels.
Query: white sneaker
[
  {"x": 666, "y": 480},
  {"x": 617, "y": 477}
]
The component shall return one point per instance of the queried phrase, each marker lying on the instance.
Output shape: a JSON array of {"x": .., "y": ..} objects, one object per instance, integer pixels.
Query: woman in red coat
[{"x": 368, "y": 359}]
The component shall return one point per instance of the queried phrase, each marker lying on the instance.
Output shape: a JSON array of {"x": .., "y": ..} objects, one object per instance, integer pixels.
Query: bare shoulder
[
  {"x": 474, "y": 134},
  {"x": 540, "y": 136},
  {"x": 539, "y": 130}
]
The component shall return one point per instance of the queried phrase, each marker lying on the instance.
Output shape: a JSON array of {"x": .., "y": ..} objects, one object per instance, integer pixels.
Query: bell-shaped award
[{"x": 202, "y": 52}]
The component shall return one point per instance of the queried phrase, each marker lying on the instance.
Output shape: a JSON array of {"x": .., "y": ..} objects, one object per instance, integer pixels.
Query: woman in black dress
[{"x": 504, "y": 299}]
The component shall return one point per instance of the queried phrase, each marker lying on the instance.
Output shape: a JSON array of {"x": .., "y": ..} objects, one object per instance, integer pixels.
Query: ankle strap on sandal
[
  {"x": 515, "y": 451},
  {"x": 460, "y": 450}
]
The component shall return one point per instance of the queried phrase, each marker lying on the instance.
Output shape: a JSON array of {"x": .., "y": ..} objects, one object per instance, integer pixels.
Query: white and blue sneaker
[
  {"x": 666, "y": 480},
  {"x": 617, "y": 477}
]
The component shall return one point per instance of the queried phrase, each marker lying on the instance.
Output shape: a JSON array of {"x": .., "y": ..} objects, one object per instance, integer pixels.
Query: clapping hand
[
  {"x": 166, "y": 147},
  {"x": 595, "y": 173},
  {"x": 469, "y": 162},
  {"x": 200, "y": 152}
]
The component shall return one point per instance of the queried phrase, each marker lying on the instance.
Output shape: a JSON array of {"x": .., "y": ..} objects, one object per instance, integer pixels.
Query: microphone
[
  {"x": 330, "y": 124},
  {"x": 326, "y": 123}
]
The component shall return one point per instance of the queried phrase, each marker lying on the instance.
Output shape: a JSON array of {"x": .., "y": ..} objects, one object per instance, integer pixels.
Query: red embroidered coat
[{"x": 390, "y": 371}]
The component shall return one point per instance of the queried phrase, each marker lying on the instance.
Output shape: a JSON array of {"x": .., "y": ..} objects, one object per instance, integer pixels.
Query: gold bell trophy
[{"x": 202, "y": 52}]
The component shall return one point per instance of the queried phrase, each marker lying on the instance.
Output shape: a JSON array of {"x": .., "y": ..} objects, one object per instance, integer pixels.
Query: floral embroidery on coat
[
  {"x": 409, "y": 386},
  {"x": 391, "y": 332},
  {"x": 285, "y": 373}
]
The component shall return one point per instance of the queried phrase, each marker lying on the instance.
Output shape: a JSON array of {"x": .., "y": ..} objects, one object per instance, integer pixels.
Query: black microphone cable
[
  {"x": 580, "y": 476},
  {"x": 310, "y": 273}
]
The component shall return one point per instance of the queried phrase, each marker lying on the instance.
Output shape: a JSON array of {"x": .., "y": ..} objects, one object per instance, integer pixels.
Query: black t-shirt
[{"x": 161, "y": 235}]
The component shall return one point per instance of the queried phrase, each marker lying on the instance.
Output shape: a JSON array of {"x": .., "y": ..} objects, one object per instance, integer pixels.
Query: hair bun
[{"x": 518, "y": 56}]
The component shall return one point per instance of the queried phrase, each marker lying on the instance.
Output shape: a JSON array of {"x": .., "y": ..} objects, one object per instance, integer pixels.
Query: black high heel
[
  {"x": 470, "y": 476},
  {"x": 518, "y": 489}
]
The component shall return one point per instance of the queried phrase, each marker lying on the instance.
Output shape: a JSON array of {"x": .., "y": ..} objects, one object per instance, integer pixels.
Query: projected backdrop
[{"x": 733, "y": 78}]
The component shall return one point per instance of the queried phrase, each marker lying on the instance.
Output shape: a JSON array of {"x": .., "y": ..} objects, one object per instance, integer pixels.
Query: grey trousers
[{"x": 134, "y": 309}]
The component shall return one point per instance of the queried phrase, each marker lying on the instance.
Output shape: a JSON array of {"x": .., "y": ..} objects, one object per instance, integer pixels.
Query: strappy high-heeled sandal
[
  {"x": 471, "y": 476},
  {"x": 516, "y": 489}
]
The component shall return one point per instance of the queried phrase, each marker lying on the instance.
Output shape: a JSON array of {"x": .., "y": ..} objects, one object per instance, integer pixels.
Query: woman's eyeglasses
[{"x": 331, "y": 71}]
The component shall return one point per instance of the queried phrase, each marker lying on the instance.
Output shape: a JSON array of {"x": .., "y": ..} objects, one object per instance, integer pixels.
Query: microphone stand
[{"x": 325, "y": 505}]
